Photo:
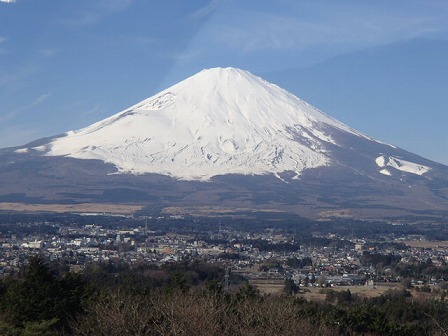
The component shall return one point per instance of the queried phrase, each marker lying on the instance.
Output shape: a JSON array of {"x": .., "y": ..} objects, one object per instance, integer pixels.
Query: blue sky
[{"x": 378, "y": 66}]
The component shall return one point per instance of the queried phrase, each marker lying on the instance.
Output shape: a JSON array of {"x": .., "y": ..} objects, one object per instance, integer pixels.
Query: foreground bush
[{"x": 195, "y": 313}]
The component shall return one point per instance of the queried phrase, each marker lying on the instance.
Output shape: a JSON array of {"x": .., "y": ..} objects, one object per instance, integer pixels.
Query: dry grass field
[
  {"x": 77, "y": 208},
  {"x": 317, "y": 294},
  {"x": 268, "y": 286},
  {"x": 442, "y": 244},
  {"x": 275, "y": 287}
]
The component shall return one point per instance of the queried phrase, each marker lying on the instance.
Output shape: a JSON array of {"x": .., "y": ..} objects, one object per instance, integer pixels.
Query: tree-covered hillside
[{"x": 191, "y": 299}]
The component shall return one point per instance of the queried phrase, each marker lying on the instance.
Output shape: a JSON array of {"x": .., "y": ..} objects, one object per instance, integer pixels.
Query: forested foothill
[{"x": 193, "y": 298}]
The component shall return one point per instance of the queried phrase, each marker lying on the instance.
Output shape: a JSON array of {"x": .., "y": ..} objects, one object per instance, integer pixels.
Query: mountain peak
[
  {"x": 221, "y": 75},
  {"x": 220, "y": 121},
  {"x": 220, "y": 71}
]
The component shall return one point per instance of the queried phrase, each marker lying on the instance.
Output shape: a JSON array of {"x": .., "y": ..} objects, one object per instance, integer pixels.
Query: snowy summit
[{"x": 219, "y": 121}]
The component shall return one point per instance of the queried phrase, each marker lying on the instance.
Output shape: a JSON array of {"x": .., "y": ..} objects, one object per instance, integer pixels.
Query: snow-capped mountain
[
  {"x": 217, "y": 122},
  {"x": 251, "y": 141}
]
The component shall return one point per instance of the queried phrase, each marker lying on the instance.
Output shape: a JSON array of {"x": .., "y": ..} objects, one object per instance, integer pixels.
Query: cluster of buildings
[{"x": 75, "y": 246}]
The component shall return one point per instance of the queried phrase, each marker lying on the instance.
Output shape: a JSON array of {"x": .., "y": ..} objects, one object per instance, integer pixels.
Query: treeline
[
  {"x": 416, "y": 269},
  {"x": 293, "y": 246},
  {"x": 191, "y": 299}
]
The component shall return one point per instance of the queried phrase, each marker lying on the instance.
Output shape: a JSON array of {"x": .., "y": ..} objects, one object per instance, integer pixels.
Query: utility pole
[
  {"x": 227, "y": 280},
  {"x": 146, "y": 225}
]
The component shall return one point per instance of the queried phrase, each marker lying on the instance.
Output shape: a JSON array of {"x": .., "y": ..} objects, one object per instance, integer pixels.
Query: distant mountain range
[{"x": 225, "y": 141}]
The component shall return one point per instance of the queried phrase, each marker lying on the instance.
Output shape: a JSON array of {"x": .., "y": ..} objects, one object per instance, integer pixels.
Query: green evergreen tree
[
  {"x": 290, "y": 287},
  {"x": 32, "y": 298},
  {"x": 39, "y": 298}
]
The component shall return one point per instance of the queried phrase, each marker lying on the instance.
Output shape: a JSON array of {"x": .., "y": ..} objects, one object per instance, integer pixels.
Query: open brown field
[
  {"x": 79, "y": 208},
  {"x": 318, "y": 294},
  {"x": 268, "y": 286},
  {"x": 274, "y": 286},
  {"x": 442, "y": 244}
]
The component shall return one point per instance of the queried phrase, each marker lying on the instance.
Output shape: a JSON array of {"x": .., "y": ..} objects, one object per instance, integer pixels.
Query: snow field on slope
[
  {"x": 219, "y": 121},
  {"x": 401, "y": 165}
]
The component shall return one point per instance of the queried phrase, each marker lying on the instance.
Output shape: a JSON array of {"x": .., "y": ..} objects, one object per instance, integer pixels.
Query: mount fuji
[{"x": 221, "y": 141}]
